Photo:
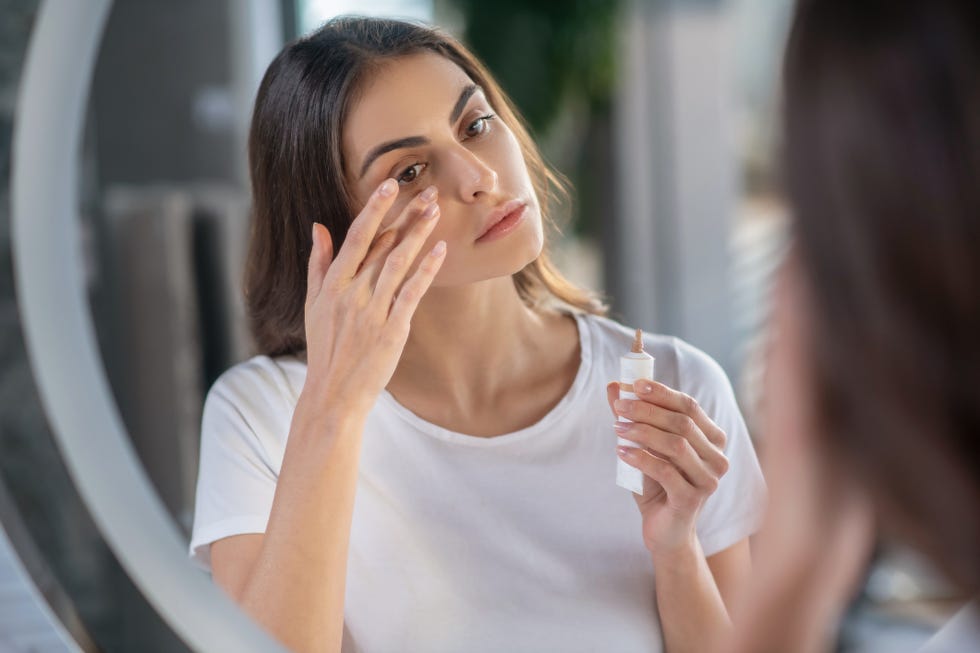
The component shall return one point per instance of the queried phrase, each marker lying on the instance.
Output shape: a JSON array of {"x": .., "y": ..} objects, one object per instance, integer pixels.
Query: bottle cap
[{"x": 638, "y": 342}]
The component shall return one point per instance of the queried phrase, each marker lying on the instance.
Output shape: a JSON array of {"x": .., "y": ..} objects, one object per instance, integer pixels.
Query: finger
[
  {"x": 400, "y": 228},
  {"x": 415, "y": 288},
  {"x": 715, "y": 459},
  {"x": 362, "y": 231},
  {"x": 403, "y": 220},
  {"x": 671, "y": 399},
  {"x": 321, "y": 253},
  {"x": 674, "y": 448},
  {"x": 638, "y": 410},
  {"x": 612, "y": 394},
  {"x": 679, "y": 491},
  {"x": 380, "y": 248},
  {"x": 401, "y": 259}
]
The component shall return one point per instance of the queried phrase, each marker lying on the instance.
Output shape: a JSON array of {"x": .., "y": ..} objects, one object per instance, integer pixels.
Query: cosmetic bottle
[{"x": 637, "y": 364}]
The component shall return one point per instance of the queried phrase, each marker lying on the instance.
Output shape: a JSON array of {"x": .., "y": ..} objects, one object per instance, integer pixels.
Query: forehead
[{"x": 406, "y": 97}]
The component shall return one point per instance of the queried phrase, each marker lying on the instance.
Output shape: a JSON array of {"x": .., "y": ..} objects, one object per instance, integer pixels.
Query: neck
[{"x": 469, "y": 344}]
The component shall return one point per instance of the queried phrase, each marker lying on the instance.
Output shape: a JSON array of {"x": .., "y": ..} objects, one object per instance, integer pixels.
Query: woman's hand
[
  {"x": 360, "y": 305},
  {"x": 680, "y": 452}
]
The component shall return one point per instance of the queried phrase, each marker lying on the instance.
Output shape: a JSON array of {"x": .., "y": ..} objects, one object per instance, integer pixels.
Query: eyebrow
[{"x": 415, "y": 141}]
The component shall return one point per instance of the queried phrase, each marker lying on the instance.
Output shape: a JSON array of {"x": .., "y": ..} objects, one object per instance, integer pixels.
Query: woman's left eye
[{"x": 480, "y": 126}]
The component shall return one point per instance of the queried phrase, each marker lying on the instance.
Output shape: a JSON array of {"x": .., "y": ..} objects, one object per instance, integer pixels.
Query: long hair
[
  {"x": 297, "y": 167},
  {"x": 882, "y": 164}
]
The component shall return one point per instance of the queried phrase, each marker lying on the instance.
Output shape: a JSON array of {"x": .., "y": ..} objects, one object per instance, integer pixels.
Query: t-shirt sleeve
[
  {"x": 237, "y": 476},
  {"x": 736, "y": 508}
]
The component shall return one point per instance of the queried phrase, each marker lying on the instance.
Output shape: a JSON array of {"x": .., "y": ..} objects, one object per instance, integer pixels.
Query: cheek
[
  {"x": 393, "y": 214},
  {"x": 450, "y": 226},
  {"x": 513, "y": 160},
  {"x": 537, "y": 245}
]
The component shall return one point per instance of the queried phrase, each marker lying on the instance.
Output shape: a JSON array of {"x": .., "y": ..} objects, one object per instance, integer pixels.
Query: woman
[
  {"x": 873, "y": 389},
  {"x": 477, "y": 442}
]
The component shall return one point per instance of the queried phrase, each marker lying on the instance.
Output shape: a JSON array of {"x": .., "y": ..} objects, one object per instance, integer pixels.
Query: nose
[{"x": 472, "y": 177}]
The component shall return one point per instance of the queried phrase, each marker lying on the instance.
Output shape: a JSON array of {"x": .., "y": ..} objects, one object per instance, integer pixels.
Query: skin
[{"x": 501, "y": 354}]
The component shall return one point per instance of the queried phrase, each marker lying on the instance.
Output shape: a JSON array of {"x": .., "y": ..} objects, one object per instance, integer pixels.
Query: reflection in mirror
[
  {"x": 480, "y": 447},
  {"x": 419, "y": 350}
]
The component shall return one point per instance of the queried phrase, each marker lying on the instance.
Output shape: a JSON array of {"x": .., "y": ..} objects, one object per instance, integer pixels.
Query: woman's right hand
[{"x": 359, "y": 307}]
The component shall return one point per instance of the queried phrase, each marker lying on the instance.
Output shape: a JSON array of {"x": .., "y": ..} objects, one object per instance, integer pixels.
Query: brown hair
[
  {"x": 882, "y": 154},
  {"x": 297, "y": 167}
]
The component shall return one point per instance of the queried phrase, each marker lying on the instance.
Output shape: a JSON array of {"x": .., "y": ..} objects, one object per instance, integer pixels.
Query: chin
[
  {"x": 505, "y": 261},
  {"x": 523, "y": 253}
]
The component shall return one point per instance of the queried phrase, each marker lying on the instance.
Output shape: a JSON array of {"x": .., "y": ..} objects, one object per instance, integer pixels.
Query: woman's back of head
[{"x": 882, "y": 151}]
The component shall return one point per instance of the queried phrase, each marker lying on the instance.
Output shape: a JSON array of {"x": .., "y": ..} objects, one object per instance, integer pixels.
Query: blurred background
[{"x": 661, "y": 114}]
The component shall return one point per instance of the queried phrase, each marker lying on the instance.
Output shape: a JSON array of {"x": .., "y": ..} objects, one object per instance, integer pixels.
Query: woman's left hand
[{"x": 681, "y": 454}]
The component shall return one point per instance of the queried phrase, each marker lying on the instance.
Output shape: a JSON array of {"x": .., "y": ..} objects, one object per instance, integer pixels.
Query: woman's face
[{"x": 422, "y": 121}]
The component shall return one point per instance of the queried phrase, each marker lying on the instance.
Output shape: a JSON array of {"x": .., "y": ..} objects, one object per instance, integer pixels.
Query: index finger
[
  {"x": 665, "y": 397},
  {"x": 363, "y": 229}
]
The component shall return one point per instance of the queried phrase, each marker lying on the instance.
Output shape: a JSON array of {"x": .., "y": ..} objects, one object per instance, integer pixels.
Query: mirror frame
[{"x": 61, "y": 343}]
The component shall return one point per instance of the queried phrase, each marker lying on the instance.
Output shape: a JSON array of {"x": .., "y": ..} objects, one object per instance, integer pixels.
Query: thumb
[
  {"x": 321, "y": 254},
  {"x": 612, "y": 394}
]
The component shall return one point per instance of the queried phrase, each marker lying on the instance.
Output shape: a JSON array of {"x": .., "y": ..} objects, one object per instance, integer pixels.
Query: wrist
[
  {"x": 680, "y": 556},
  {"x": 325, "y": 411},
  {"x": 334, "y": 400}
]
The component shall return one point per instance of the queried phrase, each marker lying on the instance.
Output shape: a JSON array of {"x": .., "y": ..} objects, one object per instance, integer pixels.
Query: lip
[{"x": 502, "y": 220}]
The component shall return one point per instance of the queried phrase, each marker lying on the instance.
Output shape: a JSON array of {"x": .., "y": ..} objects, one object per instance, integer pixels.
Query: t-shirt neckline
[{"x": 555, "y": 414}]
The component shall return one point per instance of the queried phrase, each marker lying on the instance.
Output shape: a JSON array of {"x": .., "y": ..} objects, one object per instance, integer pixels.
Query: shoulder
[
  {"x": 257, "y": 391},
  {"x": 278, "y": 375},
  {"x": 699, "y": 375},
  {"x": 612, "y": 339},
  {"x": 678, "y": 363}
]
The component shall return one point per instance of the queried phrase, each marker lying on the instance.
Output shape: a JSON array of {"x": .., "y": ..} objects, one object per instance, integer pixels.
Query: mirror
[{"x": 164, "y": 214}]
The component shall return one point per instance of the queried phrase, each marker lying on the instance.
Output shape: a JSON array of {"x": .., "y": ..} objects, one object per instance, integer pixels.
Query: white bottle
[{"x": 637, "y": 364}]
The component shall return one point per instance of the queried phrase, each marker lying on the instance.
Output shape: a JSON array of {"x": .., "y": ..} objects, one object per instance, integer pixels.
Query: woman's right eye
[{"x": 410, "y": 174}]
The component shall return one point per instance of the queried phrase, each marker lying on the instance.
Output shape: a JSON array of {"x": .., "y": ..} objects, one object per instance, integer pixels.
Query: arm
[
  {"x": 292, "y": 579},
  {"x": 694, "y": 595},
  {"x": 732, "y": 571},
  {"x": 681, "y": 454},
  {"x": 298, "y": 567}
]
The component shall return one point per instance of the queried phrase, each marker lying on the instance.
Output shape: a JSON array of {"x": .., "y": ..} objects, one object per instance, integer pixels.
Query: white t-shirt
[
  {"x": 519, "y": 542},
  {"x": 958, "y": 635}
]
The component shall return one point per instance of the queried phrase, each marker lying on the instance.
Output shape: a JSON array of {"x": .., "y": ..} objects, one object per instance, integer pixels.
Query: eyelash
[{"x": 485, "y": 119}]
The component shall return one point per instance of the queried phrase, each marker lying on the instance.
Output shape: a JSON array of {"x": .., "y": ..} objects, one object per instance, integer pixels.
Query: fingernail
[
  {"x": 439, "y": 248},
  {"x": 430, "y": 211},
  {"x": 387, "y": 188},
  {"x": 644, "y": 387},
  {"x": 429, "y": 194},
  {"x": 626, "y": 452},
  {"x": 621, "y": 406},
  {"x": 621, "y": 427}
]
